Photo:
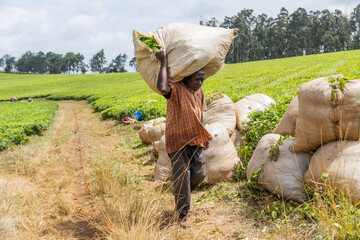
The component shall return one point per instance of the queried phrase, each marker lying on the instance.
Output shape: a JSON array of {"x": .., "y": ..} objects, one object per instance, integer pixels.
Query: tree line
[
  {"x": 54, "y": 63},
  {"x": 287, "y": 35}
]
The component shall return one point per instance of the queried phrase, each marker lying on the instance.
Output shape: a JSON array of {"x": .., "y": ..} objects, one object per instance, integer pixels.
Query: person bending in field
[{"x": 185, "y": 136}]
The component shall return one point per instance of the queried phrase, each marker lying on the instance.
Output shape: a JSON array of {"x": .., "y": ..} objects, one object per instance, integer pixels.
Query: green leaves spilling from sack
[{"x": 150, "y": 42}]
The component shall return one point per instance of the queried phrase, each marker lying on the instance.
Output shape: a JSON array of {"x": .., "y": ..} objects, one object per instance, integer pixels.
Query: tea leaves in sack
[
  {"x": 189, "y": 47},
  {"x": 150, "y": 42}
]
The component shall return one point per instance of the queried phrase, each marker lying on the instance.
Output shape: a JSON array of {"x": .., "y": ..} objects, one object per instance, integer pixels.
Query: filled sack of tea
[
  {"x": 189, "y": 47},
  {"x": 329, "y": 109},
  {"x": 337, "y": 163},
  {"x": 287, "y": 123},
  {"x": 254, "y": 102},
  {"x": 151, "y": 131},
  {"x": 220, "y": 109},
  {"x": 221, "y": 156},
  {"x": 162, "y": 171},
  {"x": 278, "y": 169}
]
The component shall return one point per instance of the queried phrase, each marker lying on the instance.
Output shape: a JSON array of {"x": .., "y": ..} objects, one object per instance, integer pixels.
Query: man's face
[{"x": 195, "y": 81}]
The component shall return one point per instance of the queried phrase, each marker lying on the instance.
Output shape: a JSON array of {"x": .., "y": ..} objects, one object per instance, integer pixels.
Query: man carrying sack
[
  {"x": 188, "y": 54},
  {"x": 185, "y": 136}
]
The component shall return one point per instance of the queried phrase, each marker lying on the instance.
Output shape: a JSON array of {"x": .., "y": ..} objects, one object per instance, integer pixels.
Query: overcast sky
[{"x": 87, "y": 26}]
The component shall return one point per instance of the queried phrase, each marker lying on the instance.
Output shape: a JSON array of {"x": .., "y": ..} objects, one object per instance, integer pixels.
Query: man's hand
[
  {"x": 161, "y": 55},
  {"x": 206, "y": 145}
]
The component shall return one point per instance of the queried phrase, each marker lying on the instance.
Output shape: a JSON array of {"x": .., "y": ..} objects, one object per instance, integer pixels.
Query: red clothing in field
[{"x": 183, "y": 118}]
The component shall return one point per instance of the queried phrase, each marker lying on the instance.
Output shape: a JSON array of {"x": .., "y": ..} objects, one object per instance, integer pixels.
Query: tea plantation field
[
  {"x": 117, "y": 95},
  {"x": 21, "y": 119}
]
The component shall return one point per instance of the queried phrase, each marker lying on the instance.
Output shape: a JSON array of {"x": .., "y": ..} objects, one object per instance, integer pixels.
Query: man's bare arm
[{"x": 163, "y": 80}]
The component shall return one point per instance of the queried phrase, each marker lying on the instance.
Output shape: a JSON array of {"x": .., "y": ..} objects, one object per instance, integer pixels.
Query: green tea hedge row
[{"x": 21, "y": 119}]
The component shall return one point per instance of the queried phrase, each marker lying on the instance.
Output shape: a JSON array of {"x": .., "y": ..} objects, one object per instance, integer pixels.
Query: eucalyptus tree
[
  {"x": 10, "y": 64},
  {"x": 355, "y": 28},
  {"x": 118, "y": 64},
  {"x": 40, "y": 63},
  {"x": 98, "y": 61},
  {"x": 132, "y": 63},
  {"x": 260, "y": 38},
  {"x": 278, "y": 42},
  {"x": 54, "y": 62},
  {"x": 2, "y": 62},
  {"x": 298, "y": 33}
]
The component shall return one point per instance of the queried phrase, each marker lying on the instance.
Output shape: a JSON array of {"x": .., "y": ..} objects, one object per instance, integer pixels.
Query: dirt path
[
  {"x": 77, "y": 136},
  {"x": 55, "y": 166}
]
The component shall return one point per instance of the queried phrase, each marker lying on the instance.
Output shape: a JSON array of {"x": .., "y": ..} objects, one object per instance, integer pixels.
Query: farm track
[
  {"x": 84, "y": 137},
  {"x": 59, "y": 161}
]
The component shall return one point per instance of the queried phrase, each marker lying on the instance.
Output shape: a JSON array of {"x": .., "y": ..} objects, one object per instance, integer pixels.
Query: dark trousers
[{"x": 188, "y": 171}]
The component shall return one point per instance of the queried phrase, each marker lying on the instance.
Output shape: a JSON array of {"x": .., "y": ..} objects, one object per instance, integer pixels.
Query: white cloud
[{"x": 11, "y": 15}]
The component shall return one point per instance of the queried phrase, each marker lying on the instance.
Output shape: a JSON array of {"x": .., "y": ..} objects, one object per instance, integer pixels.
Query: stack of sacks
[
  {"x": 162, "y": 170},
  {"x": 255, "y": 102},
  {"x": 280, "y": 169},
  {"x": 328, "y": 113},
  {"x": 221, "y": 157},
  {"x": 328, "y": 124},
  {"x": 189, "y": 47},
  {"x": 151, "y": 131}
]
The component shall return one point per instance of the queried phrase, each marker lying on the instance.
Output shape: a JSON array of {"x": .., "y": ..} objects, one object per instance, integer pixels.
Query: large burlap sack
[
  {"x": 152, "y": 130},
  {"x": 254, "y": 102},
  {"x": 281, "y": 170},
  {"x": 190, "y": 47},
  {"x": 341, "y": 161},
  {"x": 162, "y": 171},
  {"x": 156, "y": 132},
  {"x": 221, "y": 157},
  {"x": 321, "y": 119},
  {"x": 221, "y": 110},
  {"x": 287, "y": 123}
]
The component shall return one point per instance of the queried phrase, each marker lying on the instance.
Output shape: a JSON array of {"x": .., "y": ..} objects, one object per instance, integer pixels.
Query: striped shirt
[{"x": 183, "y": 118}]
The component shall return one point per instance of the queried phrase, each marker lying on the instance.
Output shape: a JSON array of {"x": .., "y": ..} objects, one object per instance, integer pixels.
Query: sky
[{"x": 87, "y": 26}]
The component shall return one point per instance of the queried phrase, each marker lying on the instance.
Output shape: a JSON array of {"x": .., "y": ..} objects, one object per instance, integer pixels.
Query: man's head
[{"x": 195, "y": 80}]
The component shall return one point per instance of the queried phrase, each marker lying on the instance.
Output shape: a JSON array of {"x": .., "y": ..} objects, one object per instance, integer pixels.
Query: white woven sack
[
  {"x": 282, "y": 173},
  {"x": 190, "y": 47},
  {"x": 287, "y": 123},
  {"x": 254, "y": 102},
  {"x": 221, "y": 110},
  {"x": 221, "y": 156},
  {"x": 162, "y": 171},
  {"x": 149, "y": 136},
  {"x": 340, "y": 162},
  {"x": 322, "y": 119}
]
